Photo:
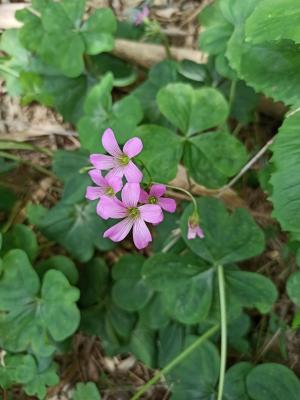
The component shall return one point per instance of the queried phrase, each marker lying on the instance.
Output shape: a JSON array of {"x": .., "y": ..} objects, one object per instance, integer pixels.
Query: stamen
[
  {"x": 152, "y": 200},
  {"x": 133, "y": 212},
  {"x": 124, "y": 159},
  {"x": 109, "y": 191}
]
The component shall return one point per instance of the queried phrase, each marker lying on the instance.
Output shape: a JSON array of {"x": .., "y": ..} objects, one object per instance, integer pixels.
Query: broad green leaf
[
  {"x": 193, "y": 71},
  {"x": 86, "y": 391},
  {"x": 35, "y": 213},
  {"x": 235, "y": 381},
  {"x": 22, "y": 369},
  {"x": 286, "y": 180},
  {"x": 192, "y": 110},
  {"x": 34, "y": 315},
  {"x": 228, "y": 237},
  {"x": 130, "y": 291},
  {"x": 31, "y": 33},
  {"x": 213, "y": 157},
  {"x": 165, "y": 234},
  {"x": 59, "y": 263},
  {"x": 143, "y": 345},
  {"x": 161, "y": 161},
  {"x": 99, "y": 114},
  {"x": 293, "y": 287},
  {"x": 97, "y": 31},
  {"x": 77, "y": 228},
  {"x": 155, "y": 315},
  {"x": 159, "y": 76},
  {"x": 274, "y": 20},
  {"x": 170, "y": 343},
  {"x": 272, "y": 381},
  {"x": 66, "y": 164},
  {"x": 251, "y": 289},
  {"x": 175, "y": 277},
  {"x": 237, "y": 331},
  {"x": 194, "y": 383},
  {"x": 32, "y": 89},
  {"x": 20, "y": 237}
]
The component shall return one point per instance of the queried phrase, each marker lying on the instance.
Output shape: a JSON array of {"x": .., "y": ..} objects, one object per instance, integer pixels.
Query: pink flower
[
  {"x": 140, "y": 15},
  {"x": 194, "y": 230},
  {"x": 106, "y": 187},
  {"x": 134, "y": 216},
  {"x": 119, "y": 162},
  {"x": 155, "y": 197}
]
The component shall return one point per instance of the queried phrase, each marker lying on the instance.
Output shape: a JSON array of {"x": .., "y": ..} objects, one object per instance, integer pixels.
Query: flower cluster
[{"x": 135, "y": 206}]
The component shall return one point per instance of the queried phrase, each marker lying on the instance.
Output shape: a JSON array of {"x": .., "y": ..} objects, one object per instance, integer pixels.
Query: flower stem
[
  {"x": 232, "y": 93},
  {"x": 175, "y": 361},
  {"x": 186, "y": 192},
  {"x": 221, "y": 282}
]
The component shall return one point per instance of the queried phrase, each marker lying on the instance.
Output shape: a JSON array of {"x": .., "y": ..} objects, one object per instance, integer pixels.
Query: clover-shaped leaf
[
  {"x": 192, "y": 110},
  {"x": 130, "y": 291},
  {"x": 62, "y": 39},
  {"x": 99, "y": 113},
  {"x": 228, "y": 237},
  {"x": 34, "y": 316},
  {"x": 20, "y": 237}
]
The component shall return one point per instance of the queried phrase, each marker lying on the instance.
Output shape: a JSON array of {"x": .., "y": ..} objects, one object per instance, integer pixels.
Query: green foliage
[
  {"x": 99, "y": 113},
  {"x": 85, "y": 391},
  {"x": 36, "y": 314},
  {"x": 20, "y": 237}
]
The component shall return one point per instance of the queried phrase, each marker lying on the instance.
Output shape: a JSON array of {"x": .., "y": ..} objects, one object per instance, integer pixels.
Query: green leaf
[
  {"x": 66, "y": 164},
  {"x": 293, "y": 287},
  {"x": 235, "y": 381},
  {"x": 228, "y": 237},
  {"x": 192, "y": 110},
  {"x": 190, "y": 383},
  {"x": 251, "y": 289},
  {"x": 274, "y": 20},
  {"x": 159, "y": 76},
  {"x": 35, "y": 213},
  {"x": 59, "y": 263},
  {"x": 213, "y": 157},
  {"x": 20, "y": 237},
  {"x": 130, "y": 291},
  {"x": 32, "y": 89},
  {"x": 171, "y": 343},
  {"x": 39, "y": 384},
  {"x": 161, "y": 161},
  {"x": 142, "y": 344},
  {"x": 286, "y": 180},
  {"x": 193, "y": 71},
  {"x": 99, "y": 113},
  {"x": 155, "y": 315},
  {"x": 174, "y": 277},
  {"x": 272, "y": 381},
  {"x": 33, "y": 316},
  {"x": 84, "y": 391},
  {"x": 77, "y": 228},
  {"x": 97, "y": 31}
]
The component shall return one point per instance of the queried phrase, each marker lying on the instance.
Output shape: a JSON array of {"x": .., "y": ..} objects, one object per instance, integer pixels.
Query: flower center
[
  {"x": 109, "y": 191},
  {"x": 152, "y": 200},
  {"x": 133, "y": 212},
  {"x": 124, "y": 159}
]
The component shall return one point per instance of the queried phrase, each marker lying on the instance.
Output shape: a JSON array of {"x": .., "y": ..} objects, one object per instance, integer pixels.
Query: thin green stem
[
  {"x": 184, "y": 191},
  {"x": 175, "y": 361},
  {"x": 14, "y": 145},
  {"x": 8, "y": 70},
  {"x": 38, "y": 168},
  {"x": 221, "y": 282}
]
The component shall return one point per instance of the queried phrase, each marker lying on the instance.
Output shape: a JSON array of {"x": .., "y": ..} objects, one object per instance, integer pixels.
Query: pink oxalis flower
[
  {"x": 155, "y": 196},
  {"x": 106, "y": 187},
  {"x": 134, "y": 216},
  {"x": 119, "y": 161},
  {"x": 140, "y": 15},
  {"x": 194, "y": 229}
]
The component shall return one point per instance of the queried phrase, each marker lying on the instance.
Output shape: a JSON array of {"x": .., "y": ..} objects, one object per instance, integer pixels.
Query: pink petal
[
  {"x": 119, "y": 231},
  {"x": 102, "y": 210},
  {"x": 97, "y": 177},
  {"x": 133, "y": 147},
  {"x": 141, "y": 234},
  {"x": 157, "y": 190},
  {"x": 113, "y": 208},
  {"x": 110, "y": 144},
  {"x": 101, "y": 161},
  {"x": 167, "y": 204},
  {"x": 131, "y": 194},
  {"x": 93, "y": 192},
  {"x": 143, "y": 197},
  {"x": 132, "y": 173},
  {"x": 117, "y": 171},
  {"x": 151, "y": 213},
  {"x": 191, "y": 233},
  {"x": 199, "y": 232},
  {"x": 115, "y": 183}
]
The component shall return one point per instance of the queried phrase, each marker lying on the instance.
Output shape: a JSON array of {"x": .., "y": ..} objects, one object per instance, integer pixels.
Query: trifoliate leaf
[{"x": 86, "y": 391}]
